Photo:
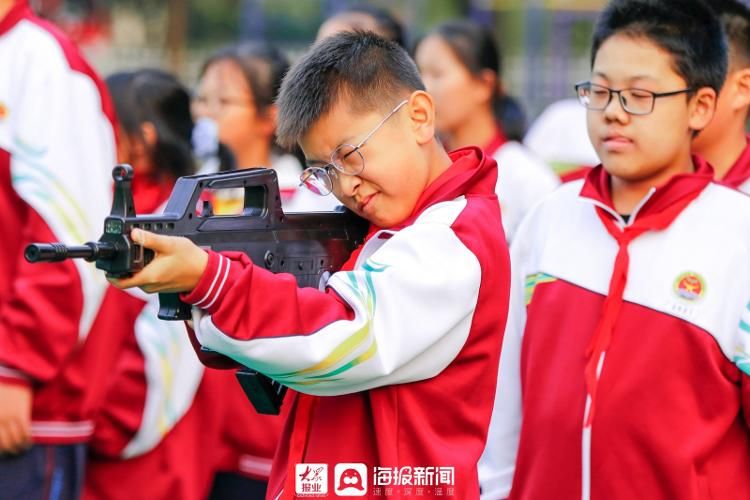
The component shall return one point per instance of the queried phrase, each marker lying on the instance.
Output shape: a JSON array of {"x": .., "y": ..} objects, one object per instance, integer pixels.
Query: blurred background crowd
[{"x": 545, "y": 43}]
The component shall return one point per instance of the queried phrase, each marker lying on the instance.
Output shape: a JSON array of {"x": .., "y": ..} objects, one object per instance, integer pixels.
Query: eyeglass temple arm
[{"x": 367, "y": 137}]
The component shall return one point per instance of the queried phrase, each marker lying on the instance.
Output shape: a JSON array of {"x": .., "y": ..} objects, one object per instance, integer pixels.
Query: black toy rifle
[{"x": 310, "y": 246}]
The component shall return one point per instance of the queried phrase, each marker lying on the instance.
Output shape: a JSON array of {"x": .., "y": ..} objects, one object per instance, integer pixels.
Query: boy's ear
[
  {"x": 740, "y": 81},
  {"x": 421, "y": 109},
  {"x": 701, "y": 108}
]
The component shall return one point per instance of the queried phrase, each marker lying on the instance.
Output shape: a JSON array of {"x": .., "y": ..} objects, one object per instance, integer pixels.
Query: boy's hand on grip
[
  {"x": 15, "y": 418},
  {"x": 177, "y": 266}
]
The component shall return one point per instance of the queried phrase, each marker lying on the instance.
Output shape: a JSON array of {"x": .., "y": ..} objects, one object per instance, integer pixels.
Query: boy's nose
[
  {"x": 614, "y": 110},
  {"x": 348, "y": 184}
]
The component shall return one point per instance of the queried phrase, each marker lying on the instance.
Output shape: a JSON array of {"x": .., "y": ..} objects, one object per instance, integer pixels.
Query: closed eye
[{"x": 316, "y": 163}]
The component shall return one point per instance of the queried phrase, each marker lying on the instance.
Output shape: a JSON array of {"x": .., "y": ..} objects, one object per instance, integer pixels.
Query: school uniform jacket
[
  {"x": 57, "y": 150},
  {"x": 402, "y": 350},
  {"x": 523, "y": 180},
  {"x": 669, "y": 413}
]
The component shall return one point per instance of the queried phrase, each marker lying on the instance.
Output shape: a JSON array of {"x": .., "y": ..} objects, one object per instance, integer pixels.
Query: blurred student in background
[
  {"x": 364, "y": 17},
  {"x": 460, "y": 66},
  {"x": 559, "y": 137},
  {"x": 57, "y": 149},
  {"x": 236, "y": 90},
  {"x": 724, "y": 142},
  {"x": 158, "y": 425}
]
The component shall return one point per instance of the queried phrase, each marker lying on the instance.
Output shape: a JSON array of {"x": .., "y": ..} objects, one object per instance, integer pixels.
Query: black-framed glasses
[
  {"x": 633, "y": 101},
  {"x": 346, "y": 159}
]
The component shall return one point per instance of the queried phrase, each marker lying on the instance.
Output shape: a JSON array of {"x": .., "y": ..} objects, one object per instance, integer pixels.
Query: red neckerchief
[
  {"x": 468, "y": 174},
  {"x": 657, "y": 214},
  {"x": 740, "y": 171},
  {"x": 496, "y": 143}
]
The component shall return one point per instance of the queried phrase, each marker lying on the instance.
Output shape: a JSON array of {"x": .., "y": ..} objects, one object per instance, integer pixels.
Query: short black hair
[
  {"x": 157, "y": 97},
  {"x": 735, "y": 18},
  {"x": 372, "y": 72},
  {"x": 477, "y": 50},
  {"x": 686, "y": 29},
  {"x": 388, "y": 26}
]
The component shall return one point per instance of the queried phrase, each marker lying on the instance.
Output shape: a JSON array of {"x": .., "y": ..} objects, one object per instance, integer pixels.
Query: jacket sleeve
[
  {"x": 39, "y": 318},
  {"x": 498, "y": 461},
  {"x": 402, "y": 316}
]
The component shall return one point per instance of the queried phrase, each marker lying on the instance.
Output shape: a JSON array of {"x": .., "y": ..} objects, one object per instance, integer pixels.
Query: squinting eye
[{"x": 640, "y": 95}]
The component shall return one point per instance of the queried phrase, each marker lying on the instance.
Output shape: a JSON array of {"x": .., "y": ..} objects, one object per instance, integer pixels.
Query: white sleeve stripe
[
  {"x": 213, "y": 283},
  {"x": 221, "y": 285}
]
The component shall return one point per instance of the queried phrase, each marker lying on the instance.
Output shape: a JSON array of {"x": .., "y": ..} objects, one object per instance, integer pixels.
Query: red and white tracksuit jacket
[
  {"x": 397, "y": 359},
  {"x": 248, "y": 439},
  {"x": 628, "y": 347},
  {"x": 57, "y": 149}
]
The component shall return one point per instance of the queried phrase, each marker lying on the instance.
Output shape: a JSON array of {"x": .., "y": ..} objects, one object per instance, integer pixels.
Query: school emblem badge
[{"x": 690, "y": 286}]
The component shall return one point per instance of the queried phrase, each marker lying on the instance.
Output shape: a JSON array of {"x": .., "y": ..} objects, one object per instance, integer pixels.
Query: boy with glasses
[
  {"x": 395, "y": 363},
  {"x": 627, "y": 344}
]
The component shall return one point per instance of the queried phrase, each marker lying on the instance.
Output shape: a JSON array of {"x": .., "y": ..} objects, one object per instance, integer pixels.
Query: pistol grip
[
  {"x": 266, "y": 395},
  {"x": 171, "y": 308}
]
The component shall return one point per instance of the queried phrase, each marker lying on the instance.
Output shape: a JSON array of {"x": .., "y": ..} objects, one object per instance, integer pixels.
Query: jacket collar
[
  {"x": 597, "y": 189},
  {"x": 472, "y": 172}
]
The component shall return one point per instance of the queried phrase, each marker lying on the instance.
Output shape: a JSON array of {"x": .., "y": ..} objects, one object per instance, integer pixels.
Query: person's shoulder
[
  {"x": 515, "y": 160},
  {"x": 520, "y": 155},
  {"x": 565, "y": 195},
  {"x": 444, "y": 212},
  {"x": 564, "y": 203},
  {"x": 47, "y": 48},
  {"x": 733, "y": 204}
]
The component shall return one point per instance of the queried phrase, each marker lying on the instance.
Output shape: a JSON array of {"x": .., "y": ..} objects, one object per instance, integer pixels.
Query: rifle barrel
[{"x": 55, "y": 252}]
